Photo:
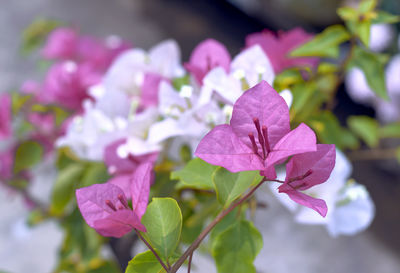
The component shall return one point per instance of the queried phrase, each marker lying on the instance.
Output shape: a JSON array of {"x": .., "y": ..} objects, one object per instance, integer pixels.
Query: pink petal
[
  {"x": 118, "y": 224},
  {"x": 277, "y": 47},
  {"x": 92, "y": 201},
  {"x": 149, "y": 95},
  {"x": 140, "y": 188},
  {"x": 300, "y": 140},
  {"x": 222, "y": 147},
  {"x": 206, "y": 56},
  {"x": 318, "y": 205},
  {"x": 264, "y": 103},
  {"x": 61, "y": 44},
  {"x": 123, "y": 181},
  {"x": 320, "y": 162},
  {"x": 5, "y": 116}
]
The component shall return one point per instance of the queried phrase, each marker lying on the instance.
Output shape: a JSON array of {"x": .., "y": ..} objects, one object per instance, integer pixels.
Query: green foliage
[
  {"x": 59, "y": 113},
  {"x": 372, "y": 65},
  {"x": 236, "y": 248},
  {"x": 28, "y": 154},
  {"x": 18, "y": 101},
  {"x": 95, "y": 172},
  {"x": 196, "y": 174},
  {"x": 35, "y": 34},
  {"x": 230, "y": 186},
  {"x": 391, "y": 130},
  {"x": 325, "y": 44},
  {"x": 398, "y": 154},
  {"x": 163, "y": 221},
  {"x": 64, "y": 187},
  {"x": 287, "y": 78},
  {"x": 177, "y": 83},
  {"x": 365, "y": 128},
  {"x": 144, "y": 262},
  {"x": 383, "y": 17},
  {"x": 328, "y": 130}
]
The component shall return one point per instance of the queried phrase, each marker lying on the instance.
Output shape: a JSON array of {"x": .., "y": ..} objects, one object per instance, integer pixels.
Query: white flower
[
  {"x": 380, "y": 36},
  {"x": 350, "y": 208}
]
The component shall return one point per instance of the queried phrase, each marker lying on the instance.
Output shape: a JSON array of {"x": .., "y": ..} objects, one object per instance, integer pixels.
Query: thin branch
[
  {"x": 152, "y": 250},
  {"x": 372, "y": 154},
  {"x": 190, "y": 262},
  {"x": 210, "y": 226}
]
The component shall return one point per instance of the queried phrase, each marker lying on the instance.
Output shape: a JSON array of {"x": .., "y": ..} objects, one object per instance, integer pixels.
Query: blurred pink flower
[
  {"x": 105, "y": 206},
  {"x": 278, "y": 47},
  {"x": 61, "y": 44},
  {"x": 206, "y": 56},
  {"x": 5, "y": 116},
  {"x": 304, "y": 171},
  {"x": 6, "y": 163},
  {"x": 258, "y": 136}
]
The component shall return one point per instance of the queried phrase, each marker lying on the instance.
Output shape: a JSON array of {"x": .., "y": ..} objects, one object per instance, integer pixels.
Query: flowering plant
[{"x": 123, "y": 126}]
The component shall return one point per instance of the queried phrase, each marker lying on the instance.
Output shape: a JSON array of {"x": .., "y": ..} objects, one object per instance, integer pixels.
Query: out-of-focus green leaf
[
  {"x": 230, "y": 186},
  {"x": 287, "y": 78},
  {"x": 363, "y": 29},
  {"x": 372, "y": 65},
  {"x": 325, "y": 44},
  {"x": 329, "y": 130},
  {"x": 177, "y": 83},
  {"x": 236, "y": 248},
  {"x": 163, "y": 221},
  {"x": 144, "y": 262},
  {"x": 18, "y": 101},
  {"x": 391, "y": 130},
  {"x": 64, "y": 187},
  {"x": 95, "y": 172},
  {"x": 35, "y": 34},
  {"x": 398, "y": 154},
  {"x": 196, "y": 174},
  {"x": 347, "y": 13},
  {"x": 365, "y": 128},
  {"x": 367, "y": 6},
  {"x": 28, "y": 154},
  {"x": 383, "y": 17},
  {"x": 327, "y": 68}
]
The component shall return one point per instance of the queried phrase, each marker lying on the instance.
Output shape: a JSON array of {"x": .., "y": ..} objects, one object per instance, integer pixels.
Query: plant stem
[
  {"x": 372, "y": 154},
  {"x": 152, "y": 250},
  {"x": 190, "y": 262},
  {"x": 210, "y": 226}
]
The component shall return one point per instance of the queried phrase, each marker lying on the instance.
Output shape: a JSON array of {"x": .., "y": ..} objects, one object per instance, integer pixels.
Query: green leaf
[
  {"x": 327, "y": 68},
  {"x": 230, "y": 186},
  {"x": 95, "y": 172},
  {"x": 196, "y": 174},
  {"x": 366, "y": 128},
  {"x": 391, "y": 130},
  {"x": 325, "y": 44},
  {"x": 28, "y": 154},
  {"x": 347, "y": 13},
  {"x": 287, "y": 78},
  {"x": 367, "y": 6},
  {"x": 329, "y": 130},
  {"x": 236, "y": 248},
  {"x": 363, "y": 31},
  {"x": 64, "y": 187},
  {"x": 35, "y": 34},
  {"x": 144, "y": 262},
  {"x": 398, "y": 154},
  {"x": 177, "y": 83},
  {"x": 383, "y": 17},
  {"x": 372, "y": 65},
  {"x": 18, "y": 101},
  {"x": 163, "y": 221}
]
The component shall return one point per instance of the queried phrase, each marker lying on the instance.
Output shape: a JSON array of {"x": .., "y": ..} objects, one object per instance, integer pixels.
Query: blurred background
[{"x": 287, "y": 245}]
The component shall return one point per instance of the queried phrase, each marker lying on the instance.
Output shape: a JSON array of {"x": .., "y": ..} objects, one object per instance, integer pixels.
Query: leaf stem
[
  {"x": 190, "y": 262},
  {"x": 189, "y": 251},
  {"x": 152, "y": 250}
]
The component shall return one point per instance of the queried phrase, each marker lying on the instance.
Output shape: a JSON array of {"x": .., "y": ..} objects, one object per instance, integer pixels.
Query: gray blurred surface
[{"x": 289, "y": 247}]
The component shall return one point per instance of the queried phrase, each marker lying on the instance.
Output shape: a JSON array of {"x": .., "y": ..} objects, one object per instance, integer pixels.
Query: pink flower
[
  {"x": 306, "y": 170},
  {"x": 277, "y": 47},
  {"x": 5, "y": 116},
  {"x": 150, "y": 88},
  {"x": 105, "y": 206},
  {"x": 118, "y": 165},
  {"x": 6, "y": 163},
  {"x": 206, "y": 56},
  {"x": 258, "y": 136},
  {"x": 67, "y": 83},
  {"x": 61, "y": 44}
]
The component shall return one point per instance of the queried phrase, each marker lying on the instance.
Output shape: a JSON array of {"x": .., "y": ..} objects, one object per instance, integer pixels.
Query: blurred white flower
[
  {"x": 350, "y": 208},
  {"x": 380, "y": 37}
]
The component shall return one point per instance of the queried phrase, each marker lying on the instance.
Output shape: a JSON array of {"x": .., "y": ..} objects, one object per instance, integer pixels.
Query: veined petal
[
  {"x": 320, "y": 162},
  {"x": 264, "y": 103},
  {"x": 318, "y": 205},
  {"x": 222, "y": 147},
  {"x": 118, "y": 224},
  {"x": 140, "y": 188},
  {"x": 300, "y": 140}
]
